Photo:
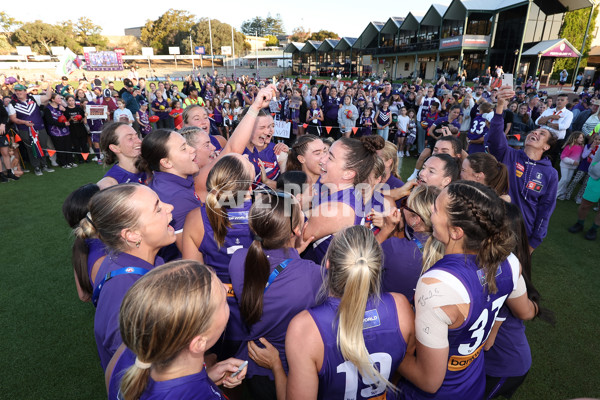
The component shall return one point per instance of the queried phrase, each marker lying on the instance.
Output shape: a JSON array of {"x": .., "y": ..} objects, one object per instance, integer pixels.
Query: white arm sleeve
[{"x": 436, "y": 289}]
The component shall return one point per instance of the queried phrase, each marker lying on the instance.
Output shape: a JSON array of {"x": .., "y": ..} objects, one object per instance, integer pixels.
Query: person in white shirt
[
  {"x": 557, "y": 120},
  {"x": 424, "y": 102}
]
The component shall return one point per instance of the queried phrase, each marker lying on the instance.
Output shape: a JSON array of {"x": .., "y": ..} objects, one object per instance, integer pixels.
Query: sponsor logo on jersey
[
  {"x": 238, "y": 217},
  {"x": 230, "y": 292},
  {"x": 129, "y": 270},
  {"x": 371, "y": 319},
  {"x": 536, "y": 187},
  {"x": 459, "y": 363},
  {"x": 519, "y": 169},
  {"x": 538, "y": 176}
]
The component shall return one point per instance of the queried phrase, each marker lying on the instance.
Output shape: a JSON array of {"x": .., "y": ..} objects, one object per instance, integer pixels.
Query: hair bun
[{"x": 373, "y": 143}]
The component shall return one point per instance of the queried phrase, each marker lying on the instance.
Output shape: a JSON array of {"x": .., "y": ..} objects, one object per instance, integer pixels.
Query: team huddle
[{"x": 242, "y": 267}]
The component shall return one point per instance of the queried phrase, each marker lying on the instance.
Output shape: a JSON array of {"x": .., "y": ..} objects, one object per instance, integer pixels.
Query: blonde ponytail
[{"x": 354, "y": 275}]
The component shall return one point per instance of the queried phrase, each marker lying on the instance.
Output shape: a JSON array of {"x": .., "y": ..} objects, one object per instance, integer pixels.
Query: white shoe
[
  {"x": 54, "y": 163},
  {"x": 400, "y": 154},
  {"x": 407, "y": 153},
  {"x": 413, "y": 176}
]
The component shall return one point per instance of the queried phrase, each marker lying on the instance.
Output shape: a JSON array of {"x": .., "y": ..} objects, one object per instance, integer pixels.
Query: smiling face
[
  {"x": 538, "y": 139},
  {"x": 205, "y": 150},
  {"x": 180, "y": 157},
  {"x": 433, "y": 173},
  {"x": 334, "y": 166},
  {"x": 155, "y": 216},
  {"x": 128, "y": 144},
  {"x": 198, "y": 117},
  {"x": 315, "y": 155},
  {"x": 263, "y": 131}
]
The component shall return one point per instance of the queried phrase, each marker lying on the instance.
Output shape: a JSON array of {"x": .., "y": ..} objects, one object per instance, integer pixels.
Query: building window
[{"x": 406, "y": 65}]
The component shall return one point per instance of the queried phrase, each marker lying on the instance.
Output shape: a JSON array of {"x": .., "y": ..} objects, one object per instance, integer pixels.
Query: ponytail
[
  {"x": 256, "y": 274},
  {"x": 351, "y": 313},
  {"x": 227, "y": 179},
  {"x": 134, "y": 382},
  {"x": 354, "y": 275},
  {"x": 217, "y": 215},
  {"x": 80, "y": 252},
  {"x": 270, "y": 223}
]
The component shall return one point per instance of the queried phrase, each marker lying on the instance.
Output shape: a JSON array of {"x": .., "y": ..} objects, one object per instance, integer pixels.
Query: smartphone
[
  {"x": 507, "y": 79},
  {"x": 240, "y": 368}
]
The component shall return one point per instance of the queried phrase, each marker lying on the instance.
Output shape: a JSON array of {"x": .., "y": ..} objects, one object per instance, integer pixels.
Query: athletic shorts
[
  {"x": 4, "y": 141},
  {"x": 592, "y": 190}
]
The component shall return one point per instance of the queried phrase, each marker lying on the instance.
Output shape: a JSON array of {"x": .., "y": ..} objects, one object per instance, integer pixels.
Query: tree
[
  {"x": 89, "y": 34},
  {"x": 323, "y": 34},
  {"x": 300, "y": 35},
  {"x": 273, "y": 41},
  {"x": 7, "y": 25},
  {"x": 221, "y": 35},
  {"x": 168, "y": 30},
  {"x": 40, "y": 36},
  {"x": 263, "y": 26},
  {"x": 573, "y": 29}
]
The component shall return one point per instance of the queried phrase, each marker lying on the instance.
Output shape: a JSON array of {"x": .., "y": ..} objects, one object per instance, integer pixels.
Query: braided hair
[{"x": 480, "y": 213}]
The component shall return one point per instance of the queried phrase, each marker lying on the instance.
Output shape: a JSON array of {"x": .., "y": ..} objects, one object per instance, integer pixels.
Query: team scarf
[{"x": 38, "y": 152}]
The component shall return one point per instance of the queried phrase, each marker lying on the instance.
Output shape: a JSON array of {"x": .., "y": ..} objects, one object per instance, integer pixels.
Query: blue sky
[{"x": 347, "y": 18}]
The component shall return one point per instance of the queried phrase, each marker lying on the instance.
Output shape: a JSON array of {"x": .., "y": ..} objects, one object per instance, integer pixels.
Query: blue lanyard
[
  {"x": 418, "y": 243},
  {"x": 110, "y": 275},
  {"x": 278, "y": 269}
]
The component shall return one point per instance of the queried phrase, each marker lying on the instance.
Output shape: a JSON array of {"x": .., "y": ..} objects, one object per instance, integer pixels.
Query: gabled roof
[
  {"x": 392, "y": 25},
  {"x": 411, "y": 22},
  {"x": 458, "y": 8},
  {"x": 293, "y": 47},
  {"x": 553, "y": 48},
  {"x": 434, "y": 15},
  {"x": 345, "y": 43},
  {"x": 370, "y": 32},
  {"x": 328, "y": 45},
  {"x": 310, "y": 46}
]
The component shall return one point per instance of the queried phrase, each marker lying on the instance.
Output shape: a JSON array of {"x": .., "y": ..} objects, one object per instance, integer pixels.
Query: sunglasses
[{"x": 282, "y": 195}]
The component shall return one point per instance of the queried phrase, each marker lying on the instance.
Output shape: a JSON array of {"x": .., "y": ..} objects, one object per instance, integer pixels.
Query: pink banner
[{"x": 561, "y": 50}]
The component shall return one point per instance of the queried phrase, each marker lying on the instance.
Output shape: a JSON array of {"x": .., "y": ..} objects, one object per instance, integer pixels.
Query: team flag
[{"x": 35, "y": 143}]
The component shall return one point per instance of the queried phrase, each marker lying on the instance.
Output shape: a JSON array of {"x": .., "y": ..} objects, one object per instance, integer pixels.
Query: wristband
[{"x": 252, "y": 112}]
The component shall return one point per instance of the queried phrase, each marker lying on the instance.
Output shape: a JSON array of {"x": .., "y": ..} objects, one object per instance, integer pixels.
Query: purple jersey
[
  {"x": 190, "y": 387},
  {"x": 106, "y": 320},
  {"x": 28, "y": 110},
  {"x": 238, "y": 237},
  {"x": 269, "y": 160},
  {"x": 366, "y": 124},
  {"x": 124, "y": 176},
  {"x": 126, "y": 360},
  {"x": 510, "y": 355},
  {"x": 178, "y": 192},
  {"x": 465, "y": 374},
  {"x": 96, "y": 250},
  {"x": 479, "y": 128},
  {"x": 295, "y": 289},
  {"x": 402, "y": 277},
  {"x": 215, "y": 142},
  {"x": 316, "y": 251},
  {"x": 161, "y": 114},
  {"x": 532, "y": 183},
  {"x": 384, "y": 342},
  {"x": 144, "y": 119},
  {"x": 56, "y": 130},
  {"x": 394, "y": 183},
  {"x": 383, "y": 117}
]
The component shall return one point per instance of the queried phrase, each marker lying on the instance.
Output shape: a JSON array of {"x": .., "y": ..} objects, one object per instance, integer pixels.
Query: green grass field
[{"x": 47, "y": 345}]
